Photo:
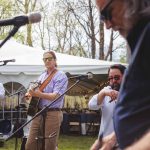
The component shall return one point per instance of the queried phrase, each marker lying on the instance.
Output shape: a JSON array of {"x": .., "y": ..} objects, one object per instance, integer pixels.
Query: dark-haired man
[{"x": 106, "y": 101}]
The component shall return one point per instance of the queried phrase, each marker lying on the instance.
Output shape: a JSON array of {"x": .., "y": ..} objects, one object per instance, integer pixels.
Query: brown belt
[
  {"x": 54, "y": 109},
  {"x": 51, "y": 109}
]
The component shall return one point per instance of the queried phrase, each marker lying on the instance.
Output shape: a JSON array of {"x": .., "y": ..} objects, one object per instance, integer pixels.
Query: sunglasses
[
  {"x": 106, "y": 12},
  {"x": 47, "y": 59},
  {"x": 116, "y": 78}
]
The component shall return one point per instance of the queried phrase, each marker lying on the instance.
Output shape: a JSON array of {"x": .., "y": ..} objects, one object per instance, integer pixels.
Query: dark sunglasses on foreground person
[{"x": 106, "y": 12}]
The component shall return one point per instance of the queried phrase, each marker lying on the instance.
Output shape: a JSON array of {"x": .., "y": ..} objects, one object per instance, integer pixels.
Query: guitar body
[
  {"x": 32, "y": 101},
  {"x": 33, "y": 106}
]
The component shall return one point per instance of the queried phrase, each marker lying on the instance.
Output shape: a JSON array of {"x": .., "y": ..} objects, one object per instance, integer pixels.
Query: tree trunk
[
  {"x": 110, "y": 49},
  {"x": 93, "y": 46},
  {"x": 101, "y": 44}
]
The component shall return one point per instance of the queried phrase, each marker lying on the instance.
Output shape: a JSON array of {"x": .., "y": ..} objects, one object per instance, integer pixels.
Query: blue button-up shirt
[{"x": 58, "y": 84}]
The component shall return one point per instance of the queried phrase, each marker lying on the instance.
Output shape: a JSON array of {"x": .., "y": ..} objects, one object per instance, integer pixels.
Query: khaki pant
[{"x": 52, "y": 124}]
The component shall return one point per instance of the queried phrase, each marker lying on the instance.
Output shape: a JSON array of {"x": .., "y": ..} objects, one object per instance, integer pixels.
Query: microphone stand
[
  {"x": 41, "y": 112},
  {"x": 12, "y": 33},
  {"x": 4, "y": 63}
]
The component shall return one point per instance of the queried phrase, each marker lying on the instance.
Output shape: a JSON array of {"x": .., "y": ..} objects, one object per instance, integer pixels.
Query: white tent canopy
[{"x": 29, "y": 65}]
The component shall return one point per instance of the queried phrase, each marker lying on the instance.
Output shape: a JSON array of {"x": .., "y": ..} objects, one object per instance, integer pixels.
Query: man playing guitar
[{"x": 53, "y": 89}]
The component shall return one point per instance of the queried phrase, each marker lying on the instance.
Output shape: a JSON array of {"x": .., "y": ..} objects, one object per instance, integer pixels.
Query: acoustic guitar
[{"x": 33, "y": 101}]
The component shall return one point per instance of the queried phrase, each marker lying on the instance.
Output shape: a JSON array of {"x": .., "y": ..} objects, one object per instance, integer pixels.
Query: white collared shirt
[{"x": 107, "y": 108}]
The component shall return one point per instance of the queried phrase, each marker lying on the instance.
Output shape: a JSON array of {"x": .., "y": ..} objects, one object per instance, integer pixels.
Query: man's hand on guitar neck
[{"x": 31, "y": 90}]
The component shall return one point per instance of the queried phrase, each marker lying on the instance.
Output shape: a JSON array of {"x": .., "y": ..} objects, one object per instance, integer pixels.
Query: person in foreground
[
  {"x": 56, "y": 87},
  {"x": 131, "y": 18},
  {"x": 106, "y": 100}
]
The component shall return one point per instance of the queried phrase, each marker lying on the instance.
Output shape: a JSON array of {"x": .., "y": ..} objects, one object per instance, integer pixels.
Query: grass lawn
[{"x": 66, "y": 142}]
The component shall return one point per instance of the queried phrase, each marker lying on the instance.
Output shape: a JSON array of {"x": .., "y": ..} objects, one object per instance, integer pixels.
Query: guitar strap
[{"x": 47, "y": 80}]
